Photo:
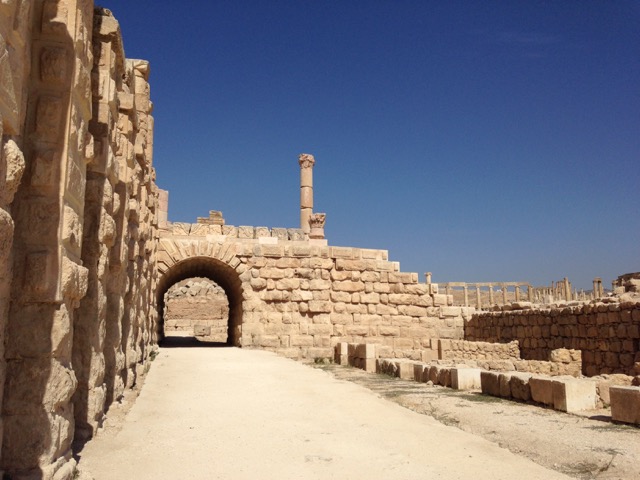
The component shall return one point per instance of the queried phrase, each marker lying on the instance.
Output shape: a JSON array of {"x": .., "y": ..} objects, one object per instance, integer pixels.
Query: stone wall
[
  {"x": 608, "y": 334},
  {"x": 300, "y": 298},
  {"x": 77, "y": 239},
  {"x": 465, "y": 350},
  {"x": 197, "y": 307}
]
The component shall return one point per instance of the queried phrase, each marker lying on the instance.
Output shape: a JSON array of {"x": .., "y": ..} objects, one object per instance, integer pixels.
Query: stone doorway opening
[
  {"x": 196, "y": 307},
  {"x": 200, "y": 300}
]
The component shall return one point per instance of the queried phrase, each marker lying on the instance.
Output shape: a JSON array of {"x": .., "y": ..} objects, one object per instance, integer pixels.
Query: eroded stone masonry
[
  {"x": 77, "y": 228},
  {"x": 87, "y": 259}
]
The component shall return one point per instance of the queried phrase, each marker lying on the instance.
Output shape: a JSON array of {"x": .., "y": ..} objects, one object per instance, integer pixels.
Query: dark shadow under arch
[{"x": 215, "y": 270}]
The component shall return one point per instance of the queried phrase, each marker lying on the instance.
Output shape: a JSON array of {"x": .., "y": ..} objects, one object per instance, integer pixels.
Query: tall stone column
[
  {"x": 306, "y": 162},
  {"x": 597, "y": 287},
  {"x": 567, "y": 289}
]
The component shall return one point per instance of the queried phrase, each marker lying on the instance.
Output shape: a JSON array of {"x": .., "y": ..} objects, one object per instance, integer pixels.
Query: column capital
[{"x": 306, "y": 160}]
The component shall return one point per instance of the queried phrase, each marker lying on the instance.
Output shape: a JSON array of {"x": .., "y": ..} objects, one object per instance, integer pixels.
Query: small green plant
[{"x": 153, "y": 355}]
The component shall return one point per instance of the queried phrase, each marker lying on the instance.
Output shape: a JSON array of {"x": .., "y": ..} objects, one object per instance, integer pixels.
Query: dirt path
[
  {"x": 225, "y": 413},
  {"x": 582, "y": 447}
]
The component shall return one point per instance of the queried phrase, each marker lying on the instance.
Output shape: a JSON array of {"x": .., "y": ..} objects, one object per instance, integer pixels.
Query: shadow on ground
[{"x": 182, "y": 342}]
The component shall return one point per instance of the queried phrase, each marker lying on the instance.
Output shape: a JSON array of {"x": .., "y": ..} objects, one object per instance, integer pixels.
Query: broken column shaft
[{"x": 306, "y": 162}]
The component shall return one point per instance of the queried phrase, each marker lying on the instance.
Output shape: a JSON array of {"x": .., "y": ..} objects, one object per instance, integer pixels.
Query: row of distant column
[{"x": 312, "y": 224}]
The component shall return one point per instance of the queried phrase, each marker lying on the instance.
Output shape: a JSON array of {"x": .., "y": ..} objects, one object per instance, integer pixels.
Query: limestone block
[
  {"x": 319, "y": 306},
  {"x": 625, "y": 404},
  {"x": 573, "y": 395},
  {"x": 288, "y": 284},
  {"x": 366, "y": 350},
  {"x": 319, "y": 284},
  {"x": 400, "y": 277},
  {"x": 451, "y": 311},
  {"x": 439, "y": 299},
  {"x": 520, "y": 389},
  {"x": 6, "y": 235},
  {"x": 465, "y": 378},
  {"x": 372, "y": 298},
  {"x": 404, "y": 299},
  {"x": 201, "y": 330},
  {"x": 74, "y": 280},
  {"x": 37, "y": 384},
  {"x": 418, "y": 372},
  {"x": 429, "y": 355},
  {"x": 341, "y": 252},
  {"x": 357, "y": 330},
  {"x": 405, "y": 370},
  {"x": 505, "y": 384},
  {"x": 268, "y": 341},
  {"x": 15, "y": 165},
  {"x": 179, "y": 228},
  {"x": 8, "y": 106},
  {"x": 490, "y": 383},
  {"x": 342, "y": 353},
  {"x": 433, "y": 374},
  {"x": 369, "y": 365},
  {"x": 319, "y": 352},
  {"x": 412, "y": 310},
  {"x": 541, "y": 390},
  {"x": 230, "y": 231},
  {"x": 444, "y": 376},
  {"x": 348, "y": 286},
  {"x": 246, "y": 232},
  {"x": 388, "y": 331},
  {"x": 280, "y": 233},
  {"x": 301, "y": 341},
  {"x": 296, "y": 234}
]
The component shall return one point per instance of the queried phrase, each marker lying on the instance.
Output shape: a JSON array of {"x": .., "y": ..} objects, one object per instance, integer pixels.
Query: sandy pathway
[{"x": 226, "y": 413}]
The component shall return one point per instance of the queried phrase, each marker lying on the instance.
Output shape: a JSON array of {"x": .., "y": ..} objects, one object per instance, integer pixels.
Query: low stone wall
[
  {"x": 464, "y": 349},
  {"x": 607, "y": 334},
  {"x": 564, "y": 394}
]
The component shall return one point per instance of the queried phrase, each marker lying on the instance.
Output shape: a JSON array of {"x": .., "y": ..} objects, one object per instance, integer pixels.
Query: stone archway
[{"x": 217, "y": 271}]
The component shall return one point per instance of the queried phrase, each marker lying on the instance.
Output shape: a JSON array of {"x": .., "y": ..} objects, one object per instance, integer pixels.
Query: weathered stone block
[
  {"x": 542, "y": 390},
  {"x": 573, "y": 395},
  {"x": 490, "y": 383},
  {"x": 319, "y": 306},
  {"x": 465, "y": 378},
  {"x": 342, "y": 353},
  {"x": 301, "y": 341},
  {"x": 444, "y": 376},
  {"x": 366, "y": 350},
  {"x": 520, "y": 389},
  {"x": 625, "y": 404},
  {"x": 505, "y": 385},
  {"x": 405, "y": 370}
]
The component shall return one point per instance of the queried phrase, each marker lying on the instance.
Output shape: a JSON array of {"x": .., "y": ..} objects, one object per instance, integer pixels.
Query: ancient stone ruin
[
  {"x": 90, "y": 266},
  {"x": 196, "y": 307}
]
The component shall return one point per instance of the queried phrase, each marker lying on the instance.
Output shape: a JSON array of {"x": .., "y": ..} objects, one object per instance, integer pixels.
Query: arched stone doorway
[{"x": 215, "y": 270}]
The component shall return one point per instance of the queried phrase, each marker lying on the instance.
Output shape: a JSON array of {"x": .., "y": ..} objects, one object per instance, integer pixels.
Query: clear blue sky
[{"x": 482, "y": 141}]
